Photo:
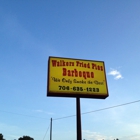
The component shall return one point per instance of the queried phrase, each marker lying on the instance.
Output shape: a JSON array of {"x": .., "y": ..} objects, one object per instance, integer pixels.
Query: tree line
[
  {"x": 21, "y": 138},
  {"x": 25, "y": 138}
]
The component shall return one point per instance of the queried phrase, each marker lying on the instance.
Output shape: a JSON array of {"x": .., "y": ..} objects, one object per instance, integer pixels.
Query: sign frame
[{"x": 74, "y": 94}]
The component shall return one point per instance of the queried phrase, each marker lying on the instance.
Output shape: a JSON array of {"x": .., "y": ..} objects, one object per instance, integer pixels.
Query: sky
[{"x": 31, "y": 31}]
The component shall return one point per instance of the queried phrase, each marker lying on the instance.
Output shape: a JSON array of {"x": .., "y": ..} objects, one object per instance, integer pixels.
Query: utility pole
[{"x": 51, "y": 129}]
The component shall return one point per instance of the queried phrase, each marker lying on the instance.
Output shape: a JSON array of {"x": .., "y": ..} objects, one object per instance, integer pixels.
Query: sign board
[{"x": 76, "y": 78}]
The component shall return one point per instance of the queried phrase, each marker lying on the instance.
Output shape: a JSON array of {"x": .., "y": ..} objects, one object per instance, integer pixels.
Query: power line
[
  {"x": 99, "y": 110},
  {"x": 23, "y": 114},
  {"x": 64, "y": 117},
  {"x": 73, "y": 115},
  {"x": 111, "y": 107},
  {"x": 46, "y": 133},
  {"x": 124, "y": 104}
]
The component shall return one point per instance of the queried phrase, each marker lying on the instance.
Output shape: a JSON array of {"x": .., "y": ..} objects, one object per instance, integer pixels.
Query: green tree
[
  {"x": 1, "y": 137},
  {"x": 25, "y": 138}
]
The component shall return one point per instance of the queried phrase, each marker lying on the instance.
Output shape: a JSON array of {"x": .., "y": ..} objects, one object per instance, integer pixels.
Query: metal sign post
[{"x": 78, "y": 115}]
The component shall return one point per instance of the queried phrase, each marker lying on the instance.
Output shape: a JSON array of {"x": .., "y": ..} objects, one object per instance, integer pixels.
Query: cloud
[
  {"x": 132, "y": 137},
  {"x": 91, "y": 135},
  {"x": 39, "y": 111},
  {"x": 87, "y": 134},
  {"x": 42, "y": 111},
  {"x": 117, "y": 75}
]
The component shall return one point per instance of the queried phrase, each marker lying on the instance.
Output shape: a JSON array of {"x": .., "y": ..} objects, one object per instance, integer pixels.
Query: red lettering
[
  {"x": 69, "y": 73},
  {"x": 88, "y": 65},
  {"x": 54, "y": 63},
  {"x": 76, "y": 73},
  {"x": 64, "y": 72},
  {"x": 80, "y": 74},
  {"x": 71, "y": 63},
  {"x": 72, "y": 72},
  {"x": 67, "y": 63},
  {"x": 93, "y": 66},
  {"x": 101, "y": 68},
  {"x": 92, "y": 75},
  {"x": 97, "y": 67},
  {"x": 77, "y": 63},
  {"x": 88, "y": 75},
  {"x": 61, "y": 63},
  {"x": 84, "y": 74}
]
